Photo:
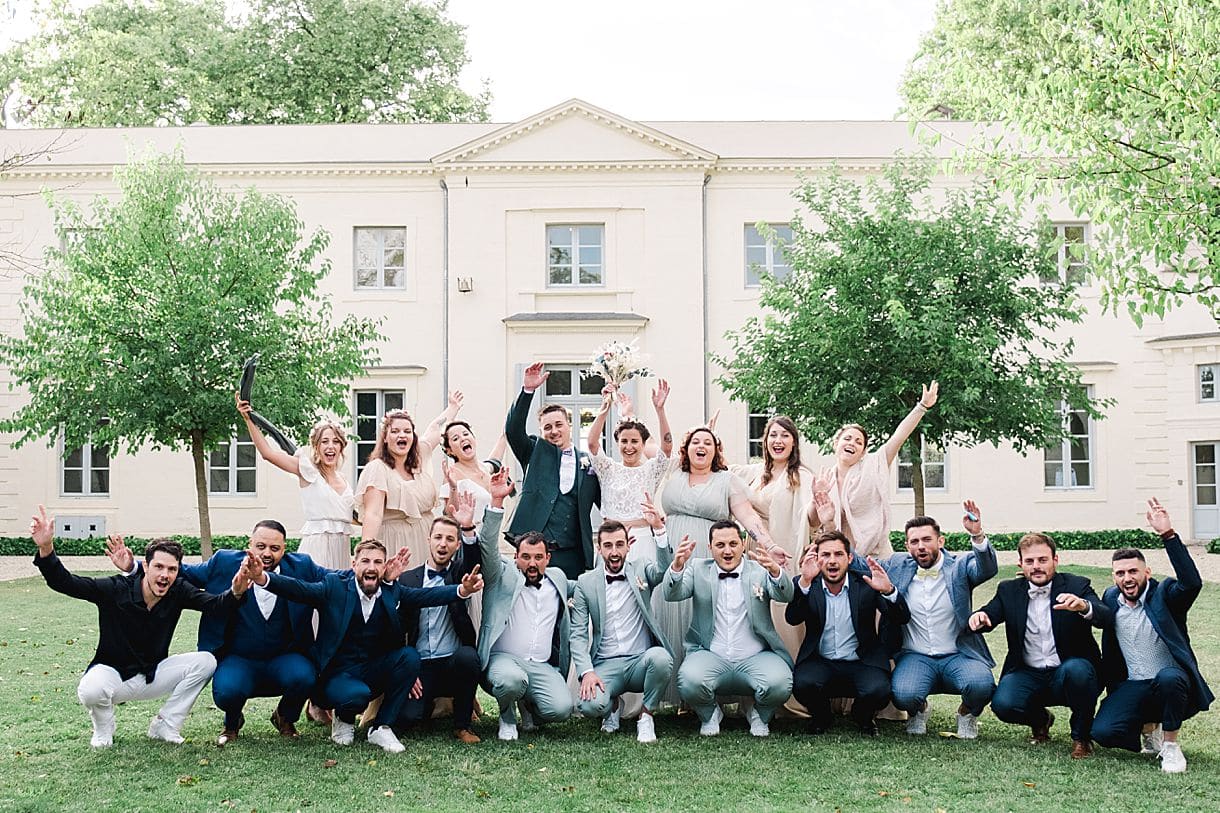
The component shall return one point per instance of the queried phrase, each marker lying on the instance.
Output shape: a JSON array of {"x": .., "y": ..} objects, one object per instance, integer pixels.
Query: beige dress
[
  {"x": 409, "y": 508},
  {"x": 862, "y": 505}
]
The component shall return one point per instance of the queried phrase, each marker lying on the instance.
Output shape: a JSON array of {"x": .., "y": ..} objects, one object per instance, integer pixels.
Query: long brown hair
[
  {"x": 718, "y": 463},
  {"x": 794, "y": 459},
  {"x": 382, "y": 452}
]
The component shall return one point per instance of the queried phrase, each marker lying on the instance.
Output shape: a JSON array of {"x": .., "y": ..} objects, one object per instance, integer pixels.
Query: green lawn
[{"x": 46, "y": 763}]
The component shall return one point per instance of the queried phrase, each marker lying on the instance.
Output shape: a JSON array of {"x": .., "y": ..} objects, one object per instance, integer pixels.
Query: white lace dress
[{"x": 623, "y": 489}]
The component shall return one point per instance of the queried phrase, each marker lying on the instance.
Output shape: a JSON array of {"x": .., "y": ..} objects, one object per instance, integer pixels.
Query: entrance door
[{"x": 1203, "y": 493}]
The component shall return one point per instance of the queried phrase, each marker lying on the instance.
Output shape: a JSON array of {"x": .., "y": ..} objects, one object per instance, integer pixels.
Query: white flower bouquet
[{"x": 617, "y": 362}]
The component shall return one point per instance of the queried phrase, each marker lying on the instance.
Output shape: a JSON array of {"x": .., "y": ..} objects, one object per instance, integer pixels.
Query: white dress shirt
[
  {"x": 531, "y": 624},
  {"x": 932, "y": 629},
  {"x": 367, "y": 603},
  {"x": 265, "y": 598},
  {"x": 1040, "y": 651},
  {"x": 567, "y": 469},
  {"x": 732, "y": 637},
  {"x": 623, "y": 630}
]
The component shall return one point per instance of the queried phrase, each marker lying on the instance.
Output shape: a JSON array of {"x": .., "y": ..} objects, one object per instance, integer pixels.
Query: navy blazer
[
  {"x": 1073, "y": 633},
  {"x": 462, "y": 563},
  {"x": 335, "y": 599},
  {"x": 216, "y": 575},
  {"x": 1167, "y": 604},
  {"x": 810, "y": 610}
]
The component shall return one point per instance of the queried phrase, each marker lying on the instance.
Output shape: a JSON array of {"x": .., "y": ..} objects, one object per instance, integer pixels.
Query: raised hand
[
  {"x": 607, "y": 399},
  {"x": 979, "y": 621},
  {"x": 650, "y": 513},
  {"x": 685, "y": 548},
  {"x": 42, "y": 531},
  {"x": 711, "y": 422},
  {"x": 1070, "y": 602},
  {"x": 928, "y": 398},
  {"x": 972, "y": 520},
  {"x": 590, "y": 684},
  {"x": 463, "y": 508},
  {"x": 626, "y": 409},
  {"x": 763, "y": 557},
  {"x": 254, "y": 567},
  {"x": 1158, "y": 517},
  {"x": 120, "y": 555},
  {"x": 660, "y": 395},
  {"x": 824, "y": 508},
  {"x": 417, "y": 689},
  {"x": 241, "y": 580},
  {"x": 501, "y": 486},
  {"x": 456, "y": 399},
  {"x": 810, "y": 567},
  {"x": 242, "y": 406},
  {"x": 877, "y": 578},
  {"x": 449, "y": 472},
  {"x": 396, "y": 565},
  {"x": 534, "y": 377},
  {"x": 472, "y": 583}
]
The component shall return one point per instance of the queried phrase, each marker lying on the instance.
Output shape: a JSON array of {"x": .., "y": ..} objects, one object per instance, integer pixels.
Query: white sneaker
[
  {"x": 645, "y": 730},
  {"x": 525, "y": 719},
  {"x": 1153, "y": 740},
  {"x": 103, "y": 730},
  {"x": 967, "y": 727},
  {"x": 158, "y": 729},
  {"x": 918, "y": 722},
  {"x": 612, "y": 721},
  {"x": 757, "y": 727},
  {"x": 1172, "y": 758},
  {"x": 508, "y": 731},
  {"x": 342, "y": 733},
  {"x": 712, "y": 727},
  {"x": 383, "y": 735}
]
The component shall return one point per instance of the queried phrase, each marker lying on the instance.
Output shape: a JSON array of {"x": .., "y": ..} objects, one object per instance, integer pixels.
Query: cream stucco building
[{"x": 486, "y": 246}]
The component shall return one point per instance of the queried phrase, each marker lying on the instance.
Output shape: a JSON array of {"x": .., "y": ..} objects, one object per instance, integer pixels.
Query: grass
[{"x": 46, "y": 764}]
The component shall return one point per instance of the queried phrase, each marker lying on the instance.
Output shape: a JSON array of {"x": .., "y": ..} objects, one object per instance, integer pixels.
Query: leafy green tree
[
  {"x": 890, "y": 291},
  {"x": 151, "y": 62},
  {"x": 147, "y": 313},
  {"x": 1125, "y": 93}
]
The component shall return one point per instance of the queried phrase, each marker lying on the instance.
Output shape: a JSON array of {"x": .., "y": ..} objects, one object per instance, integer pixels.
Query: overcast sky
[{"x": 680, "y": 59}]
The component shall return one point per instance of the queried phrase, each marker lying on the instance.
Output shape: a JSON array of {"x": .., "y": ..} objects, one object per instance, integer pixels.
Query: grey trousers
[
  {"x": 510, "y": 679},
  {"x": 703, "y": 675},
  {"x": 648, "y": 672}
]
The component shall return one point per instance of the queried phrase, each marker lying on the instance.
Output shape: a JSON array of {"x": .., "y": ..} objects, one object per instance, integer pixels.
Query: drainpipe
[
  {"x": 445, "y": 294},
  {"x": 706, "y": 296}
]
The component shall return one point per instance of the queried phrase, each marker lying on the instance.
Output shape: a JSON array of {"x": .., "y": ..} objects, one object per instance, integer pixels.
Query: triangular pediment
[{"x": 575, "y": 132}]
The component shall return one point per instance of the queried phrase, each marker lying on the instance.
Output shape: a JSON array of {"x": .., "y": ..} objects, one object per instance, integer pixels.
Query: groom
[{"x": 559, "y": 489}]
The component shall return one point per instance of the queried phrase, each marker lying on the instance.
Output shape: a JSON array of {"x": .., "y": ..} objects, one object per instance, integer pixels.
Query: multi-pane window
[
  {"x": 756, "y": 425},
  {"x": 85, "y": 471},
  {"x": 934, "y": 466},
  {"x": 765, "y": 255},
  {"x": 574, "y": 254},
  {"x": 1069, "y": 463},
  {"x": 371, "y": 406},
  {"x": 1207, "y": 381},
  {"x": 381, "y": 257},
  {"x": 581, "y": 396},
  {"x": 1205, "y": 474},
  {"x": 231, "y": 466},
  {"x": 1071, "y": 266}
]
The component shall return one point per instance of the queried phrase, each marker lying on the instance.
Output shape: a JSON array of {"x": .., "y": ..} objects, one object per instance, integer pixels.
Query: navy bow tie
[
  {"x": 724, "y": 575},
  {"x": 435, "y": 574},
  {"x": 622, "y": 577},
  {"x": 536, "y": 585}
]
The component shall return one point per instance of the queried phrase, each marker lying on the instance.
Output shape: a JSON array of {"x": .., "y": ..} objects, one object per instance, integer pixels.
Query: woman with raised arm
[
  {"x": 326, "y": 496},
  {"x": 464, "y": 472},
  {"x": 858, "y": 484}
]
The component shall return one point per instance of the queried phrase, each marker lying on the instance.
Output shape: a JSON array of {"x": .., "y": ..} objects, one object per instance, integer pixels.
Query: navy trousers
[
  {"x": 1135, "y": 702},
  {"x": 349, "y": 690},
  {"x": 1023, "y": 695},
  {"x": 237, "y": 679},
  {"x": 455, "y": 676},
  {"x": 816, "y": 680}
]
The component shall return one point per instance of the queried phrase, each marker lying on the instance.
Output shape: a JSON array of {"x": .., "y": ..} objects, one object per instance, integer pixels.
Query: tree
[
  {"x": 146, "y": 315},
  {"x": 889, "y": 292},
  {"x": 1124, "y": 93},
  {"x": 154, "y": 62}
]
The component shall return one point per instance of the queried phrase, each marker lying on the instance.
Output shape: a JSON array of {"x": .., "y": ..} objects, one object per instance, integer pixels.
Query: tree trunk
[
  {"x": 915, "y": 444},
  {"x": 201, "y": 494}
]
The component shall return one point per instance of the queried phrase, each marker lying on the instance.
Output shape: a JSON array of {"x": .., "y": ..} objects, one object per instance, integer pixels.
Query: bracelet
[
  {"x": 467, "y": 530},
  {"x": 921, "y": 407}
]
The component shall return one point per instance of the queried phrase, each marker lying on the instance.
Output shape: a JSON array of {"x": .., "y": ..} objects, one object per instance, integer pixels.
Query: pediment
[{"x": 575, "y": 132}]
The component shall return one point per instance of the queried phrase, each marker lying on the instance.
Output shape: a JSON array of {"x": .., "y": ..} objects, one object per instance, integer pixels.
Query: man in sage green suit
[
  {"x": 523, "y": 639},
  {"x": 627, "y": 651},
  {"x": 732, "y": 646},
  {"x": 559, "y": 488}
]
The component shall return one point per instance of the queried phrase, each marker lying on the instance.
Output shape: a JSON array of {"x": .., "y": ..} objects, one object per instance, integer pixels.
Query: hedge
[
  {"x": 1064, "y": 540},
  {"x": 1214, "y": 545},
  {"x": 96, "y": 546}
]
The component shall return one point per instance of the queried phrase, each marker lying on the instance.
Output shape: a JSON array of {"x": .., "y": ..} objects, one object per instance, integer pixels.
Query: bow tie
[
  {"x": 435, "y": 574},
  {"x": 928, "y": 573},
  {"x": 622, "y": 577},
  {"x": 569, "y": 452},
  {"x": 724, "y": 575},
  {"x": 1040, "y": 592},
  {"x": 536, "y": 585}
]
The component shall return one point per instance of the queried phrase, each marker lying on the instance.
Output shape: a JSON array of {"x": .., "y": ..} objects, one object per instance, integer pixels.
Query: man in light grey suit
[
  {"x": 523, "y": 640},
  {"x": 627, "y": 652},
  {"x": 732, "y": 646}
]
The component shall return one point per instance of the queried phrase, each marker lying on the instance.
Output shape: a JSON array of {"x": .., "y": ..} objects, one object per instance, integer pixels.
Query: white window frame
[
  {"x": 1064, "y": 261},
  {"x": 752, "y": 441},
  {"x": 397, "y": 399},
  {"x": 232, "y": 469},
  {"x": 86, "y": 470},
  {"x": 1065, "y": 463},
  {"x": 925, "y": 448},
  {"x": 750, "y": 239},
  {"x": 1212, "y": 372},
  {"x": 574, "y": 247},
  {"x": 380, "y": 233}
]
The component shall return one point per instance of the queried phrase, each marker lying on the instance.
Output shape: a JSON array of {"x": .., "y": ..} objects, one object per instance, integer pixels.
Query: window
[
  {"x": 767, "y": 255},
  {"x": 1071, "y": 267},
  {"x": 1207, "y": 382},
  {"x": 574, "y": 254},
  {"x": 85, "y": 471},
  {"x": 381, "y": 258},
  {"x": 1205, "y": 474},
  {"x": 231, "y": 467},
  {"x": 1069, "y": 464},
  {"x": 756, "y": 424},
  {"x": 934, "y": 466},
  {"x": 371, "y": 406},
  {"x": 581, "y": 396}
]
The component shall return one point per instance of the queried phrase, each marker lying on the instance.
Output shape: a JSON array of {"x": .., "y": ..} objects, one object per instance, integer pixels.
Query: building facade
[{"x": 486, "y": 246}]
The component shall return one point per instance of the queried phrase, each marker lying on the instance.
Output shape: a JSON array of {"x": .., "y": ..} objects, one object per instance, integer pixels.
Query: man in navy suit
[
  {"x": 1053, "y": 657},
  {"x": 843, "y": 654},
  {"x": 1150, "y": 671},
  {"x": 359, "y": 651}
]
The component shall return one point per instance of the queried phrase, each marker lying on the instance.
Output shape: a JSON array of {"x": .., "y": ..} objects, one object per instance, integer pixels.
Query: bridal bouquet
[{"x": 617, "y": 362}]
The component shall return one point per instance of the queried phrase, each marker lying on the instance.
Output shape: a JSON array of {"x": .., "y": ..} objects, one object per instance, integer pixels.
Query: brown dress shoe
[
  {"x": 1042, "y": 733},
  {"x": 283, "y": 726},
  {"x": 465, "y": 735},
  {"x": 1081, "y": 749}
]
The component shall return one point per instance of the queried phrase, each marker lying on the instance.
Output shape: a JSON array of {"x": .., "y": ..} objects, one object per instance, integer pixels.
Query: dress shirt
[
  {"x": 567, "y": 469},
  {"x": 531, "y": 624},
  {"x": 623, "y": 630},
  {"x": 1144, "y": 650},
  {"x": 367, "y": 603},
  {"x": 437, "y": 637},
  {"x": 732, "y": 637},
  {"x": 838, "y": 641},
  {"x": 1040, "y": 651},
  {"x": 265, "y": 598},
  {"x": 932, "y": 629}
]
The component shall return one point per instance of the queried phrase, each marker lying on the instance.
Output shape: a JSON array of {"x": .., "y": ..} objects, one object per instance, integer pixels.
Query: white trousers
[{"x": 179, "y": 679}]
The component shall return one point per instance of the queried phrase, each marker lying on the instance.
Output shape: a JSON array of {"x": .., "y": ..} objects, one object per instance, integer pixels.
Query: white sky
[{"x": 679, "y": 59}]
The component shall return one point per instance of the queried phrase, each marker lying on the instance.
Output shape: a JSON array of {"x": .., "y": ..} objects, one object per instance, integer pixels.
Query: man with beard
[
  {"x": 843, "y": 654},
  {"x": 359, "y": 651},
  {"x": 1150, "y": 671},
  {"x": 731, "y": 646},
  {"x": 137, "y": 614},
  {"x": 627, "y": 652},
  {"x": 262, "y": 650},
  {"x": 1052, "y": 656}
]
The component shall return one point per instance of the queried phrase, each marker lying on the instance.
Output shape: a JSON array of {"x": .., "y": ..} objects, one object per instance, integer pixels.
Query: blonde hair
[{"x": 315, "y": 441}]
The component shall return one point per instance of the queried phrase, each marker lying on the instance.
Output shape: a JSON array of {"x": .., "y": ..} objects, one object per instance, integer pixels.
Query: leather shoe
[
  {"x": 286, "y": 728},
  {"x": 227, "y": 736},
  {"x": 466, "y": 736},
  {"x": 1042, "y": 733},
  {"x": 1081, "y": 749},
  {"x": 868, "y": 729}
]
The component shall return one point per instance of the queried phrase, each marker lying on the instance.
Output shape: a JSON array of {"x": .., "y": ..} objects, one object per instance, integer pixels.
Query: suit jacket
[
  {"x": 1167, "y": 604},
  {"x": 540, "y": 486},
  {"x": 699, "y": 580},
  {"x": 589, "y": 604},
  {"x": 502, "y": 583},
  {"x": 810, "y": 609},
  {"x": 335, "y": 599},
  {"x": 963, "y": 573},
  {"x": 1073, "y": 633},
  {"x": 462, "y": 563},
  {"x": 216, "y": 574}
]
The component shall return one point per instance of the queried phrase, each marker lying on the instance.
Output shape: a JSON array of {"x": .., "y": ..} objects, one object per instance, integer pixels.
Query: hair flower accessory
[{"x": 617, "y": 363}]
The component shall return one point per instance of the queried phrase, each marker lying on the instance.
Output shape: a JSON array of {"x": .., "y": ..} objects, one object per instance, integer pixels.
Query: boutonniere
[
  {"x": 640, "y": 583},
  {"x": 586, "y": 464},
  {"x": 572, "y": 604},
  {"x": 758, "y": 592}
]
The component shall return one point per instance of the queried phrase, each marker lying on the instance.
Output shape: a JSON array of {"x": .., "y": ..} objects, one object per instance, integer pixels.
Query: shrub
[
  {"x": 1064, "y": 540},
  {"x": 96, "y": 546}
]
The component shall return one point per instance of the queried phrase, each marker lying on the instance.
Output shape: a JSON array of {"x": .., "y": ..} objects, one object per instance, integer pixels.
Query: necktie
[
  {"x": 928, "y": 573},
  {"x": 622, "y": 577},
  {"x": 1040, "y": 592},
  {"x": 724, "y": 575},
  {"x": 435, "y": 574}
]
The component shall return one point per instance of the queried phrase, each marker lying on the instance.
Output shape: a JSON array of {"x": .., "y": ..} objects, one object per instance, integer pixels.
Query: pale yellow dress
[{"x": 410, "y": 506}]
